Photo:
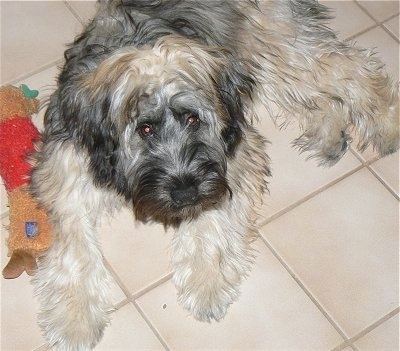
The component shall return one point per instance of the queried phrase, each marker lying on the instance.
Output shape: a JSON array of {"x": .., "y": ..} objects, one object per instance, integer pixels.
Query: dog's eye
[
  {"x": 146, "y": 130},
  {"x": 192, "y": 120}
]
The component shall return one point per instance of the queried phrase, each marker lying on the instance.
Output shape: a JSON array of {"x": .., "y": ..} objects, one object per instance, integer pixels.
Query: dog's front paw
[
  {"x": 71, "y": 329},
  {"x": 73, "y": 313},
  {"x": 207, "y": 304}
]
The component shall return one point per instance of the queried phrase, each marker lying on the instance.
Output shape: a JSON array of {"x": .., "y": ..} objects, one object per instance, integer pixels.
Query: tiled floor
[{"x": 327, "y": 273}]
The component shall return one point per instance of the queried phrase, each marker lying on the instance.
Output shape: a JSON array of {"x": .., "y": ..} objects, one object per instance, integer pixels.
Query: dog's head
[{"x": 159, "y": 125}]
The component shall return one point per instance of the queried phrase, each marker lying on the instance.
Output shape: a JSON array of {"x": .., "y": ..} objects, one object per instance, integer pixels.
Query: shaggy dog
[{"x": 154, "y": 110}]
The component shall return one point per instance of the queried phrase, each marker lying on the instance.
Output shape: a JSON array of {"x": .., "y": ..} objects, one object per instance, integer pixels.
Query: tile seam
[
  {"x": 378, "y": 22},
  {"x": 152, "y": 286},
  {"x": 383, "y": 182},
  {"x": 367, "y": 330},
  {"x": 43, "y": 347},
  {"x": 310, "y": 196},
  {"x": 303, "y": 287},
  {"x": 117, "y": 279},
  {"x": 141, "y": 291},
  {"x": 73, "y": 12},
  {"x": 33, "y": 72},
  {"x": 152, "y": 327},
  {"x": 387, "y": 30},
  {"x": 131, "y": 299},
  {"x": 361, "y": 32}
]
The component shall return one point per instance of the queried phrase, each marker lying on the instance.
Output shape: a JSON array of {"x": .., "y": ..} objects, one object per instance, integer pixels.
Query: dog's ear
[
  {"x": 235, "y": 86},
  {"x": 84, "y": 119}
]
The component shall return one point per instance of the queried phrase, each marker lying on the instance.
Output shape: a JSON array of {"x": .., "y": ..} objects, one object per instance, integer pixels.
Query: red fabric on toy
[{"x": 17, "y": 137}]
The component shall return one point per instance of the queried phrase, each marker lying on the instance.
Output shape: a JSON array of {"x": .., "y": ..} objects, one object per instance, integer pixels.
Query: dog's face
[{"x": 160, "y": 124}]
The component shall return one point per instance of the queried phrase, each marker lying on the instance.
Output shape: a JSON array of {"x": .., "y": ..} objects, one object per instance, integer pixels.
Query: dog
[{"x": 155, "y": 110}]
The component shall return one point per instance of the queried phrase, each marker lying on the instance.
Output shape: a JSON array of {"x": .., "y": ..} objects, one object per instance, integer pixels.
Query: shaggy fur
[{"x": 153, "y": 110}]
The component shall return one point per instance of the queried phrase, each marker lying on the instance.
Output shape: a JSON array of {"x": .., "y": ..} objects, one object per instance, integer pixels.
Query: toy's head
[{"x": 17, "y": 102}]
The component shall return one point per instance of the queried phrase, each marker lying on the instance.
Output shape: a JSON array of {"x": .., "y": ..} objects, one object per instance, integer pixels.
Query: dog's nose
[{"x": 184, "y": 195}]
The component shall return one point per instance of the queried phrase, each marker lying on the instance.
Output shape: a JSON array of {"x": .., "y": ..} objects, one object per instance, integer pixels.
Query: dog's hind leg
[
  {"x": 368, "y": 98},
  {"x": 330, "y": 87},
  {"x": 72, "y": 282},
  {"x": 340, "y": 91},
  {"x": 355, "y": 94}
]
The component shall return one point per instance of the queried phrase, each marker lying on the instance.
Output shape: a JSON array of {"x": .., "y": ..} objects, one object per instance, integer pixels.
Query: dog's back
[{"x": 137, "y": 23}]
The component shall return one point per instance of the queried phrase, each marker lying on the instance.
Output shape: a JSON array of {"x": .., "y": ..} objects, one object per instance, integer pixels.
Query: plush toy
[{"x": 29, "y": 230}]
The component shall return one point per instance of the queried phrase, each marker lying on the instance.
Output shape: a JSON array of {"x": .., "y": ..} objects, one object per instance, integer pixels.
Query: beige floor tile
[
  {"x": 388, "y": 169},
  {"x": 19, "y": 330},
  {"x": 128, "y": 331},
  {"x": 380, "y": 9},
  {"x": 393, "y": 26},
  {"x": 293, "y": 177},
  {"x": 343, "y": 244},
  {"x": 383, "y": 338},
  {"x": 137, "y": 252},
  {"x": 345, "y": 12},
  {"x": 272, "y": 313},
  {"x": 32, "y": 36},
  {"x": 386, "y": 47},
  {"x": 84, "y": 9}
]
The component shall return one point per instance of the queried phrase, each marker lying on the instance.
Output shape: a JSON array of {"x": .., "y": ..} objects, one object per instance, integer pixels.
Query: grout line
[
  {"x": 378, "y": 22},
  {"x": 305, "y": 289},
  {"x": 122, "y": 304},
  {"x": 357, "y": 155},
  {"x": 354, "y": 36},
  {"x": 131, "y": 299},
  {"x": 152, "y": 286},
  {"x": 117, "y": 279},
  {"x": 309, "y": 196},
  {"x": 151, "y": 326},
  {"x": 135, "y": 295},
  {"x": 33, "y": 72},
  {"x": 368, "y": 329},
  {"x": 383, "y": 26},
  {"x": 344, "y": 345},
  {"x": 73, "y": 12},
  {"x": 44, "y": 347},
  {"x": 383, "y": 182}
]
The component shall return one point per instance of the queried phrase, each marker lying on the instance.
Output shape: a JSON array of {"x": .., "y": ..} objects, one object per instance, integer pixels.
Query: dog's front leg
[
  {"x": 211, "y": 256},
  {"x": 72, "y": 282}
]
